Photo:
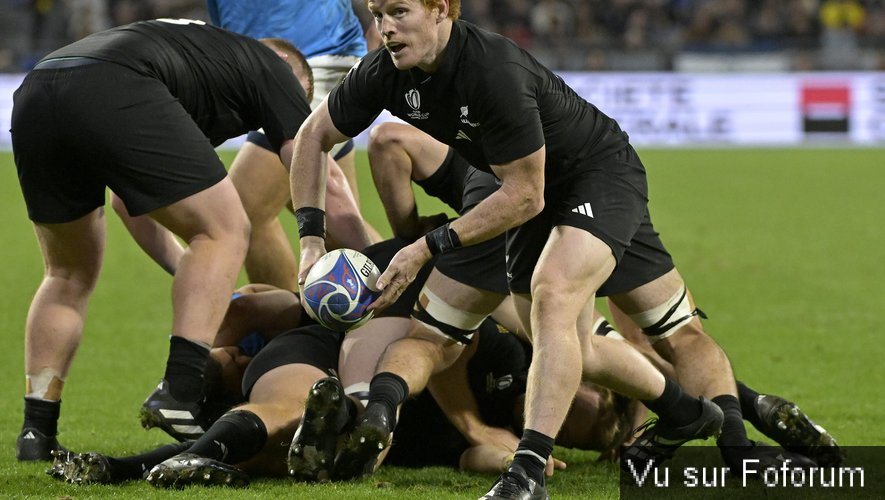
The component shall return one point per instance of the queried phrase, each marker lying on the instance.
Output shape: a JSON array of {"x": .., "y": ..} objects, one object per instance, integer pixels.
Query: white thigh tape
[
  {"x": 662, "y": 321},
  {"x": 444, "y": 313}
]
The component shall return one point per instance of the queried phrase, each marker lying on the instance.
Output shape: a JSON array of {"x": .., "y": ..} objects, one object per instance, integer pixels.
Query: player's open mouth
[{"x": 395, "y": 47}]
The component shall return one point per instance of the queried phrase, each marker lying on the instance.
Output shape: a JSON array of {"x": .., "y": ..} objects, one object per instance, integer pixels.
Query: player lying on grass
[
  {"x": 282, "y": 373},
  {"x": 472, "y": 419},
  {"x": 273, "y": 385},
  {"x": 276, "y": 382}
]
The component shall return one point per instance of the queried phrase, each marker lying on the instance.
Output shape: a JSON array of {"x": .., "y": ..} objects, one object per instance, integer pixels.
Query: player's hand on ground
[
  {"x": 400, "y": 273},
  {"x": 553, "y": 464},
  {"x": 496, "y": 436}
]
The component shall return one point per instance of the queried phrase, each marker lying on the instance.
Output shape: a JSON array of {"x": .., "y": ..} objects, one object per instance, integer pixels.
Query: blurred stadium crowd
[{"x": 599, "y": 35}]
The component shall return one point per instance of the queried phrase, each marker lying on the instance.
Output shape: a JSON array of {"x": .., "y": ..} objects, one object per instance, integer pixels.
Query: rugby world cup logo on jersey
[{"x": 413, "y": 99}]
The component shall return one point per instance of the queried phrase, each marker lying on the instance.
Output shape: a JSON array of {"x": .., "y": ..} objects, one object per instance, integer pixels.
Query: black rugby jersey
[
  {"x": 228, "y": 83},
  {"x": 489, "y": 99}
]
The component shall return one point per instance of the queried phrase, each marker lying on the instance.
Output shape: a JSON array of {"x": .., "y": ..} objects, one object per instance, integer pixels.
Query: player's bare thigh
[
  {"x": 261, "y": 181},
  {"x": 278, "y": 399},
  {"x": 425, "y": 152},
  {"x": 651, "y": 294}
]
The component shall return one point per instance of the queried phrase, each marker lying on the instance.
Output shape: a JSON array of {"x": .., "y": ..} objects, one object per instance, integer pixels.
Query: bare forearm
[{"x": 307, "y": 177}]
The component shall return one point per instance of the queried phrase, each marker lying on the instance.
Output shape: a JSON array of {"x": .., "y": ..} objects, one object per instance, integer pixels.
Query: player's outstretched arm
[
  {"x": 307, "y": 179},
  {"x": 158, "y": 242}
]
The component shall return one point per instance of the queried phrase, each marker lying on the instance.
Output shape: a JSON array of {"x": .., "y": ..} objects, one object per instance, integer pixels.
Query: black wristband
[
  {"x": 442, "y": 239},
  {"x": 311, "y": 222}
]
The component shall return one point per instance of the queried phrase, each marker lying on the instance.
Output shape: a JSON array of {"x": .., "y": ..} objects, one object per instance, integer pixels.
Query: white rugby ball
[{"x": 339, "y": 288}]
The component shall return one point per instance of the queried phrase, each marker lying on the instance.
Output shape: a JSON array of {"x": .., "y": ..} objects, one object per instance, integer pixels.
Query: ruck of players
[{"x": 548, "y": 219}]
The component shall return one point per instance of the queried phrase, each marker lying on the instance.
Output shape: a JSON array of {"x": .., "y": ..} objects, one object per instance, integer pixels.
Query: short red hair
[{"x": 454, "y": 7}]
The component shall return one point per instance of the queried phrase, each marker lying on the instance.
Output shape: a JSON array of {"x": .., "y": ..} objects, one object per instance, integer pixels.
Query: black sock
[
  {"x": 747, "y": 397},
  {"x": 134, "y": 467},
  {"x": 733, "y": 431},
  {"x": 42, "y": 415},
  {"x": 389, "y": 390},
  {"x": 235, "y": 437},
  {"x": 532, "y": 453},
  {"x": 185, "y": 367},
  {"x": 674, "y": 405}
]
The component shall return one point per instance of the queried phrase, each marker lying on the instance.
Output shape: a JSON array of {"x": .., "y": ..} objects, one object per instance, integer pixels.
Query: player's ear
[{"x": 442, "y": 10}]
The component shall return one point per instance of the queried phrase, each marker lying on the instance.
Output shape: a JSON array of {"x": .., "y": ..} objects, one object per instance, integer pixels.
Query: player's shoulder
[
  {"x": 491, "y": 59},
  {"x": 490, "y": 49}
]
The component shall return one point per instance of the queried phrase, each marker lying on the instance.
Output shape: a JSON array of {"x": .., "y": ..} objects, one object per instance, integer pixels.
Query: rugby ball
[{"x": 339, "y": 288}]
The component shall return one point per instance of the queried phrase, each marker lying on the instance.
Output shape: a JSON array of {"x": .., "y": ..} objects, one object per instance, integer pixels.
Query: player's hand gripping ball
[{"x": 339, "y": 288}]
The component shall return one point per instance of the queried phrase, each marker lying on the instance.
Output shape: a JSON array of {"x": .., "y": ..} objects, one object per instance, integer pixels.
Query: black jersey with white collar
[
  {"x": 228, "y": 83},
  {"x": 489, "y": 99}
]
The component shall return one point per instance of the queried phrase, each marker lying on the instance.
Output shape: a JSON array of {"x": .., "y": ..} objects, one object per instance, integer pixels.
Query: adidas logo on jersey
[
  {"x": 583, "y": 210},
  {"x": 462, "y": 135}
]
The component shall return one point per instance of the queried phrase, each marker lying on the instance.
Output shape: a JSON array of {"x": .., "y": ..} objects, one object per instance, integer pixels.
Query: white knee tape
[
  {"x": 440, "y": 317},
  {"x": 39, "y": 383},
  {"x": 664, "y": 320}
]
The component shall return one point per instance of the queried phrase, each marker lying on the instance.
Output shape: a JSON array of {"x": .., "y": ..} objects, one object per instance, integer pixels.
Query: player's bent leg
[
  {"x": 407, "y": 363},
  {"x": 398, "y": 155},
  {"x": 446, "y": 315},
  {"x": 678, "y": 336},
  {"x": 557, "y": 302},
  {"x": 278, "y": 398},
  {"x": 665, "y": 311},
  {"x": 216, "y": 229},
  {"x": 72, "y": 256},
  {"x": 246, "y": 439},
  {"x": 397, "y": 150},
  {"x": 362, "y": 349},
  {"x": 312, "y": 451},
  {"x": 637, "y": 338},
  {"x": 262, "y": 183}
]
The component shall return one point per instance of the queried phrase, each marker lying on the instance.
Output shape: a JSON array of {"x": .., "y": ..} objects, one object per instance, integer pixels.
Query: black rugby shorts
[
  {"x": 77, "y": 130},
  {"x": 482, "y": 265},
  {"x": 311, "y": 345},
  {"x": 609, "y": 200},
  {"x": 447, "y": 183}
]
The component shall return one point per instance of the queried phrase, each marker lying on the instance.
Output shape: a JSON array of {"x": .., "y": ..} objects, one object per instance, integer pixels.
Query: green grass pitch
[{"x": 782, "y": 248}]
